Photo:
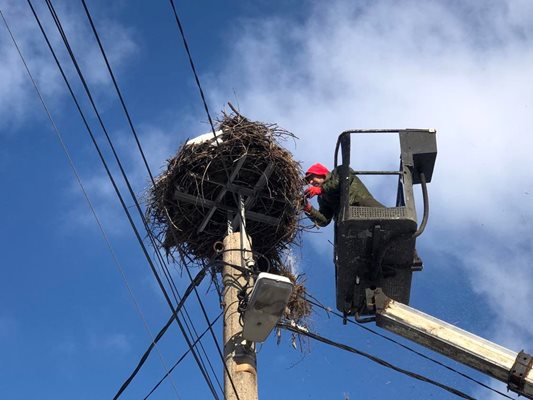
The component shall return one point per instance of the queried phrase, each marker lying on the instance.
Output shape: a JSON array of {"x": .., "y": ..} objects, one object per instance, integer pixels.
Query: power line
[
  {"x": 414, "y": 375},
  {"x": 119, "y": 93},
  {"x": 329, "y": 310},
  {"x": 139, "y": 146},
  {"x": 182, "y": 357},
  {"x": 165, "y": 270},
  {"x": 115, "y": 187},
  {"x": 86, "y": 196},
  {"x": 197, "y": 280},
  {"x": 191, "y": 62}
]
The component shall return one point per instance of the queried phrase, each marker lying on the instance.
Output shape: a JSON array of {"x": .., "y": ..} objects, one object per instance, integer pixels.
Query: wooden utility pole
[{"x": 240, "y": 377}]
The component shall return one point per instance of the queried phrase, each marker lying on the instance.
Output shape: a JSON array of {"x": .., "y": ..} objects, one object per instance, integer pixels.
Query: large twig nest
[
  {"x": 203, "y": 169},
  {"x": 247, "y": 154}
]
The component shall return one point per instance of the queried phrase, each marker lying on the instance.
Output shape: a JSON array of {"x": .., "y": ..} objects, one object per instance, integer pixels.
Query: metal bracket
[
  {"x": 375, "y": 299},
  {"x": 250, "y": 201},
  {"x": 519, "y": 371}
]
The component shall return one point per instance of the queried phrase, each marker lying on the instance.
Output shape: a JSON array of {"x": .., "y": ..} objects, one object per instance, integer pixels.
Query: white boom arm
[{"x": 510, "y": 367}]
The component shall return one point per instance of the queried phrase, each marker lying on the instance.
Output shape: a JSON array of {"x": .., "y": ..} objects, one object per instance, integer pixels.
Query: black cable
[
  {"x": 197, "y": 280},
  {"x": 329, "y": 310},
  {"x": 426, "y": 205},
  {"x": 165, "y": 270},
  {"x": 191, "y": 62},
  {"x": 206, "y": 108},
  {"x": 118, "y": 91},
  {"x": 199, "y": 85},
  {"x": 414, "y": 375},
  {"x": 199, "y": 277},
  {"x": 163, "y": 266},
  {"x": 115, "y": 187},
  {"x": 182, "y": 357},
  {"x": 82, "y": 187},
  {"x": 204, "y": 102},
  {"x": 169, "y": 277}
]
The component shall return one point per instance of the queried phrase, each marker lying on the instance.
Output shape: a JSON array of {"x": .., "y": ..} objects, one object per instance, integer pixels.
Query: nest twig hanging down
[{"x": 191, "y": 202}]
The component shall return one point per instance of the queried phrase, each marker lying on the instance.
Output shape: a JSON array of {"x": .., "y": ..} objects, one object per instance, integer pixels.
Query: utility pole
[{"x": 240, "y": 377}]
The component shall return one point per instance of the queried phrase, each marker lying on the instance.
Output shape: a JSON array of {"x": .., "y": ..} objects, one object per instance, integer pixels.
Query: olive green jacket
[{"x": 329, "y": 200}]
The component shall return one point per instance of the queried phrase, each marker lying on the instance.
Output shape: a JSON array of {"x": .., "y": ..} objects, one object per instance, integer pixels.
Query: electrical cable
[
  {"x": 191, "y": 62},
  {"x": 197, "y": 280},
  {"x": 139, "y": 146},
  {"x": 200, "y": 89},
  {"x": 86, "y": 196},
  {"x": 329, "y": 310},
  {"x": 115, "y": 187},
  {"x": 163, "y": 266},
  {"x": 166, "y": 272},
  {"x": 414, "y": 375},
  {"x": 182, "y": 357},
  {"x": 119, "y": 93}
]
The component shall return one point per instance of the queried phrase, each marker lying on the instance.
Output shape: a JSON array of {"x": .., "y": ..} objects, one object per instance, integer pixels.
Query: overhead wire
[
  {"x": 414, "y": 375},
  {"x": 182, "y": 357},
  {"x": 206, "y": 108},
  {"x": 89, "y": 202},
  {"x": 110, "y": 176},
  {"x": 193, "y": 67},
  {"x": 139, "y": 146},
  {"x": 329, "y": 310},
  {"x": 165, "y": 270},
  {"x": 197, "y": 280}
]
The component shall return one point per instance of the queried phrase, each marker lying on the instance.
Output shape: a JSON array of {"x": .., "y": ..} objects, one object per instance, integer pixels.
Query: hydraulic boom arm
[{"x": 507, "y": 366}]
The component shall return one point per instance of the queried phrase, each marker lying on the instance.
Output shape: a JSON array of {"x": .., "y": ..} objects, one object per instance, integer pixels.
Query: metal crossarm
[
  {"x": 254, "y": 216},
  {"x": 250, "y": 201},
  {"x": 222, "y": 193}
]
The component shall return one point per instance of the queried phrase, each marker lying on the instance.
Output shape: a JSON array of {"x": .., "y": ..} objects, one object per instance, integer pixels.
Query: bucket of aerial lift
[{"x": 375, "y": 246}]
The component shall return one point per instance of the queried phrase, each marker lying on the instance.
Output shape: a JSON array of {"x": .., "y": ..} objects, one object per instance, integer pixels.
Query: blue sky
[{"x": 68, "y": 325}]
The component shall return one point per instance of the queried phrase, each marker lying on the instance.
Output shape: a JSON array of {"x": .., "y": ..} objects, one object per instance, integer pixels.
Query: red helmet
[{"x": 317, "y": 169}]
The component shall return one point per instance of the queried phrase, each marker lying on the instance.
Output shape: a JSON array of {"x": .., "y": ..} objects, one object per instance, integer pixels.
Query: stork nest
[
  {"x": 191, "y": 203},
  {"x": 202, "y": 171}
]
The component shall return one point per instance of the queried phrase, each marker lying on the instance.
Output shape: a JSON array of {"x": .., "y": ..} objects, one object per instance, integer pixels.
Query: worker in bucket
[{"x": 325, "y": 185}]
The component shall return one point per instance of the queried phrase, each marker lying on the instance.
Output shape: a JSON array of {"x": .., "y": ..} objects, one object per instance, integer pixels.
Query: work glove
[
  {"x": 307, "y": 207},
  {"x": 313, "y": 191}
]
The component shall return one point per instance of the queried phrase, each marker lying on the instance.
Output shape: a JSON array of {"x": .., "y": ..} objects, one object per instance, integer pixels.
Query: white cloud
[
  {"x": 463, "y": 68},
  {"x": 14, "y": 82},
  {"x": 157, "y": 146}
]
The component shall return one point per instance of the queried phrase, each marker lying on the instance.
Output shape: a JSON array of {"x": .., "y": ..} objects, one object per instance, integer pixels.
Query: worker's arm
[
  {"x": 328, "y": 201},
  {"x": 322, "y": 216}
]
